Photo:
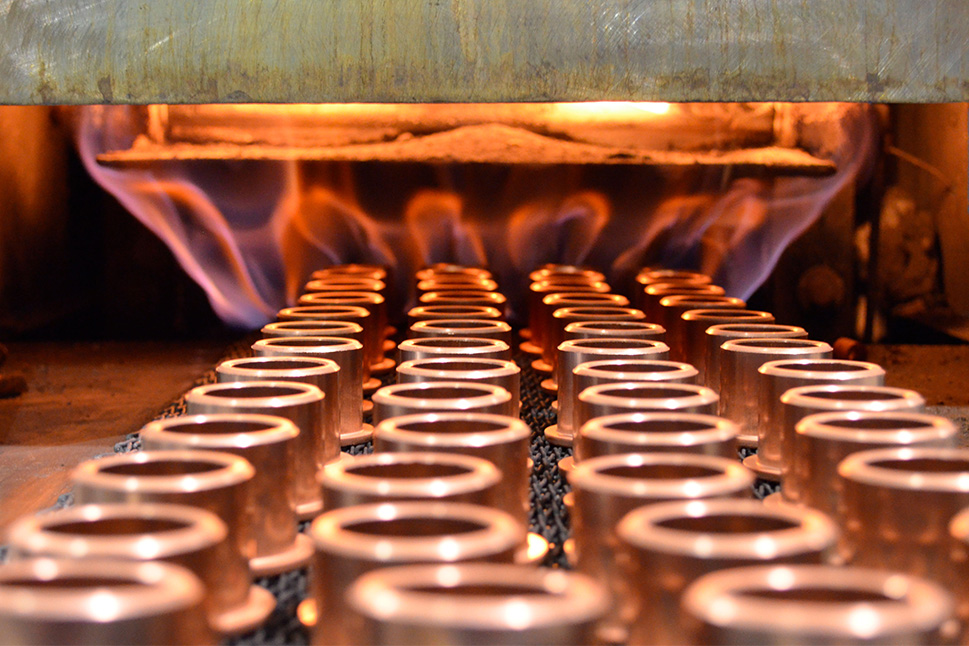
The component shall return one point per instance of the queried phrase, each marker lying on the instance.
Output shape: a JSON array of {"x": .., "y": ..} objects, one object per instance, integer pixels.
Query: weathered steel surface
[{"x": 140, "y": 51}]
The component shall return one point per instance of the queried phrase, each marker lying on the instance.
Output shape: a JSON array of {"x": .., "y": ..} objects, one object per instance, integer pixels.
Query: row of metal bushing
[
  {"x": 426, "y": 539},
  {"x": 164, "y": 543},
  {"x": 866, "y": 541}
]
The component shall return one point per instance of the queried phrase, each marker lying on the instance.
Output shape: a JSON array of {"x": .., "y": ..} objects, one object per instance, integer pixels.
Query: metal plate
[{"x": 193, "y": 51}]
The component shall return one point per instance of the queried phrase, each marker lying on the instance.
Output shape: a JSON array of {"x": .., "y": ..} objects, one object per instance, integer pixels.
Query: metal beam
[{"x": 193, "y": 51}]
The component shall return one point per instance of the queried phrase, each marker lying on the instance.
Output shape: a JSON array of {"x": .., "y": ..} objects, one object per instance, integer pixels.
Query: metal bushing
[
  {"x": 652, "y": 294},
  {"x": 553, "y": 271},
  {"x": 302, "y": 404},
  {"x": 214, "y": 481},
  {"x": 651, "y": 276},
  {"x": 187, "y": 536},
  {"x": 959, "y": 533},
  {"x": 798, "y": 403},
  {"x": 717, "y": 335},
  {"x": 355, "y": 540},
  {"x": 374, "y": 327},
  {"x": 563, "y": 316},
  {"x": 536, "y": 311},
  {"x": 466, "y": 297},
  {"x": 440, "y": 397},
  {"x": 740, "y": 382},
  {"x": 602, "y": 371},
  {"x": 653, "y": 432},
  {"x": 672, "y": 544},
  {"x": 815, "y": 604},
  {"x": 476, "y": 603},
  {"x": 896, "y": 504},
  {"x": 693, "y": 327},
  {"x": 346, "y": 353},
  {"x": 442, "y": 269},
  {"x": 346, "y": 284},
  {"x": 51, "y": 601},
  {"x": 270, "y": 444},
  {"x": 614, "y": 329},
  {"x": 446, "y": 312},
  {"x": 346, "y": 329},
  {"x": 776, "y": 377},
  {"x": 322, "y": 373},
  {"x": 501, "y": 440},
  {"x": 672, "y": 308},
  {"x": 453, "y": 346},
  {"x": 352, "y": 313},
  {"x": 449, "y": 284},
  {"x": 498, "y": 372},
  {"x": 376, "y": 272},
  {"x": 823, "y": 440},
  {"x": 629, "y": 396},
  {"x": 417, "y": 475},
  {"x": 579, "y": 351},
  {"x": 608, "y": 487},
  {"x": 477, "y": 328},
  {"x": 558, "y": 300}
]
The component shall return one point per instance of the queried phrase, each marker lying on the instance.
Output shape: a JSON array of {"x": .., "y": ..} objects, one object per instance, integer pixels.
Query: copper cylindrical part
[
  {"x": 346, "y": 329},
  {"x": 355, "y": 540},
  {"x": 497, "y": 372},
  {"x": 672, "y": 544},
  {"x": 476, "y": 328},
  {"x": 672, "y": 308},
  {"x": 466, "y": 297},
  {"x": 352, "y": 313},
  {"x": 656, "y": 432},
  {"x": 476, "y": 603},
  {"x": 440, "y": 269},
  {"x": 774, "y": 445},
  {"x": 651, "y": 276},
  {"x": 346, "y": 353},
  {"x": 537, "y": 314},
  {"x": 896, "y": 505},
  {"x": 608, "y": 487},
  {"x": 453, "y": 346},
  {"x": 270, "y": 444},
  {"x": 215, "y": 481},
  {"x": 798, "y": 403},
  {"x": 553, "y": 271},
  {"x": 375, "y": 327},
  {"x": 959, "y": 533},
  {"x": 557, "y": 300},
  {"x": 300, "y": 403},
  {"x": 376, "y": 272},
  {"x": 322, "y": 373},
  {"x": 693, "y": 327},
  {"x": 444, "y": 312},
  {"x": 620, "y": 329},
  {"x": 501, "y": 440},
  {"x": 562, "y": 316},
  {"x": 193, "y": 538},
  {"x": 47, "y": 601},
  {"x": 450, "y": 285},
  {"x": 652, "y": 294},
  {"x": 739, "y": 379},
  {"x": 575, "y": 353},
  {"x": 602, "y": 371},
  {"x": 823, "y": 440},
  {"x": 440, "y": 397},
  {"x": 815, "y": 604},
  {"x": 626, "y": 397},
  {"x": 395, "y": 477},
  {"x": 717, "y": 335},
  {"x": 345, "y": 284}
]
